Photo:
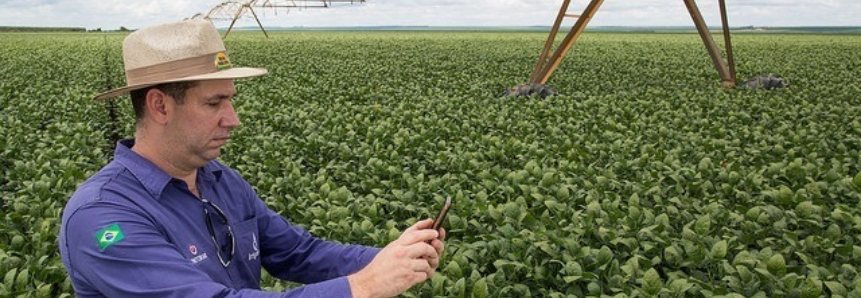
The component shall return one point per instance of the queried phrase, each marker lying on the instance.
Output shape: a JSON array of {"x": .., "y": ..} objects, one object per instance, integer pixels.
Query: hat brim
[{"x": 233, "y": 73}]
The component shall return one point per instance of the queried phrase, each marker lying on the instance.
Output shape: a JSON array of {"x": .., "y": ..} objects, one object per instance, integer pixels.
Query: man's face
[{"x": 201, "y": 125}]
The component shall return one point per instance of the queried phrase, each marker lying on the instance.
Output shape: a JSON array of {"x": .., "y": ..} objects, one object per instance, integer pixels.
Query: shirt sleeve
[
  {"x": 292, "y": 253},
  {"x": 116, "y": 251}
]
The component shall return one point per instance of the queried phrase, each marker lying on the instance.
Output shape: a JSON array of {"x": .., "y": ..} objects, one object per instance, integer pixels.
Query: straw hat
[{"x": 189, "y": 50}]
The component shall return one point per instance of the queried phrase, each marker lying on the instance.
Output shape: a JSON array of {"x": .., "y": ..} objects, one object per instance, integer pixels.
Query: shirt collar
[
  {"x": 153, "y": 178},
  {"x": 211, "y": 171}
]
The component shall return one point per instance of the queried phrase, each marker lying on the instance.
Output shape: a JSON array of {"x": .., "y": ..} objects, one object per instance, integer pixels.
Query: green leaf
[
  {"x": 719, "y": 250},
  {"x": 776, "y": 265},
  {"x": 459, "y": 289},
  {"x": 452, "y": 269},
  {"x": 663, "y": 221},
  {"x": 522, "y": 290},
  {"x": 545, "y": 247},
  {"x": 44, "y": 290},
  {"x": 573, "y": 268},
  {"x": 504, "y": 263},
  {"x": 733, "y": 283},
  {"x": 752, "y": 214},
  {"x": 479, "y": 288},
  {"x": 9, "y": 278},
  {"x": 689, "y": 235},
  {"x": 22, "y": 279},
  {"x": 594, "y": 209},
  {"x": 705, "y": 164},
  {"x": 672, "y": 255},
  {"x": 679, "y": 286},
  {"x": 703, "y": 225},
  {"x": 17, "y": 242},
  {"x": 652, "y": 282},
  {"x": 812, "y": 288},
  {"x": 744, "y": 274},
  {"x": 438, "y": 283},
  {"x": 833, "y": 232},
  {"x": 604, "y": 255},
  {"x": 634, "y": 200},
  {"x": 563, "y": 193},
  {"x": 836, "y": 288},
  {"x": 594, "y": 288},
  {"x": 325, "y": 189}
]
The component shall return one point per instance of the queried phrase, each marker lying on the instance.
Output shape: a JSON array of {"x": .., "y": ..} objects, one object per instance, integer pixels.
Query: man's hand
[
  {"x": 407, "y": 261},
  {"x": 438, "y": 245}
]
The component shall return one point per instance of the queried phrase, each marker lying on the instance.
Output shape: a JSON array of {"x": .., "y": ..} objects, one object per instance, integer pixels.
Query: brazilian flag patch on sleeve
[{"x": 109, "y": 236}]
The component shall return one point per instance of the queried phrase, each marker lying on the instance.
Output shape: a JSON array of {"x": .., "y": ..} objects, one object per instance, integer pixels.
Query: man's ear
[{"x": 156, "y": 105}]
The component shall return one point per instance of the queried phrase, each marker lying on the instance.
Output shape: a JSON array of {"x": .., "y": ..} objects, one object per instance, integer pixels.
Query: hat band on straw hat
[{"x": 178, "y": 69}]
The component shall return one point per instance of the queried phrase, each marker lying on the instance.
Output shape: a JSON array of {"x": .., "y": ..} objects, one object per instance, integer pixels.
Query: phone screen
[{"x": 437, "y": 223}]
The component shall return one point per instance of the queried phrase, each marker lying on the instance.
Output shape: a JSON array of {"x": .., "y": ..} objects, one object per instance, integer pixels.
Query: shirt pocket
[{"x": 248, "y": 252}]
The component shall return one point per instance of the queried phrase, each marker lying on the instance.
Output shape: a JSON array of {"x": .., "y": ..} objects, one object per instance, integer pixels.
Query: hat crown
[
  {"x": 189, "y": 50},
  {"x": 170, "y": 42}
]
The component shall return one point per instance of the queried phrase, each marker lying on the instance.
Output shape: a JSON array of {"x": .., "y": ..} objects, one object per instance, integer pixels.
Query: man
[{"x": 166, "y": 219}]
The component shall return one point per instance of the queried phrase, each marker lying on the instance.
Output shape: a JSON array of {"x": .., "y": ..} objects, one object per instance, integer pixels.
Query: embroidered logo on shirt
[
  {"x": 192, "y": 249},
  {"x": 199, "y": 258},
  {"x": 256, "y": 253},
  {"x": 109, "y": 236}
]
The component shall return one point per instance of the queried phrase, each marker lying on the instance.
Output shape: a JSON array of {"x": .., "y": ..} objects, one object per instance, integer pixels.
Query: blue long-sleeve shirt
[{"x": 131, "y": 230}]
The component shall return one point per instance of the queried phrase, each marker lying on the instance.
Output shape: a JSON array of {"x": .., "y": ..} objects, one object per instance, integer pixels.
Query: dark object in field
[
  {"x": 529, "y": 89},
  {"x": 767, "y": 82}
]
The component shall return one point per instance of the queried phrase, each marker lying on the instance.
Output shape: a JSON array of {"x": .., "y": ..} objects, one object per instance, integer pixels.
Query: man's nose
[{"x": 230, "y": 118}]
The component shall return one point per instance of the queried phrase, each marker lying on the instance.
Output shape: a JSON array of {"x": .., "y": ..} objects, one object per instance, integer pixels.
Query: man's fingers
[
  {"x": 419, "y": 265},
  {"x": 421, "y": 225},
  {"x": 434, "y": 263},
  {"x": 421, "y": 250},
  {"x": 413, "y": 236},
  {"x": 423, "y": 270},
  {"x": 438, "y": 244}
]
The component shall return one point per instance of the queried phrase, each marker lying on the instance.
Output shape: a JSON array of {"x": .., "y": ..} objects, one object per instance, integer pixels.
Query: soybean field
[{"x": 643, "y": 178}]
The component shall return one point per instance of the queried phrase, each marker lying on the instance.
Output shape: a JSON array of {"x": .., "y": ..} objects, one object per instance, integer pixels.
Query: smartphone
[{"x": 437, "y": 222}]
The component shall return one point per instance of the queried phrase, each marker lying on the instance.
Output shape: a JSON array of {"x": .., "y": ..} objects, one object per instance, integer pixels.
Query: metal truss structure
[
  {"x": 235, "y": 10},
  {"x": 547, "y": 63}
]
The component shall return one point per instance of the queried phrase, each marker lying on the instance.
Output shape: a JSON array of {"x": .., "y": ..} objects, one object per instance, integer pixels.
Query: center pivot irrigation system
[
  {"x": 234, "y": 10},
  {"x": 547, "y": 62}
]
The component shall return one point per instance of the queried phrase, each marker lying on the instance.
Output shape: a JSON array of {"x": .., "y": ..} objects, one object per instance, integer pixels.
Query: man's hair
[{"x": 176, "y": 90}]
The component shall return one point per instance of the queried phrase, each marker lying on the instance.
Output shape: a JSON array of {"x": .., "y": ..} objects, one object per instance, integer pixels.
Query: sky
[{"x": 133, "y": 14}]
